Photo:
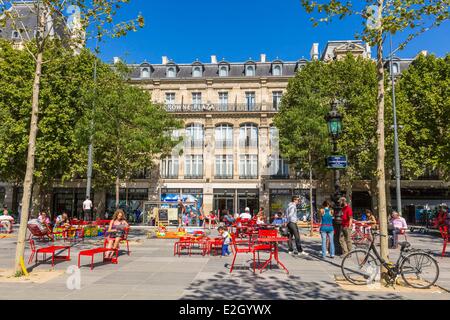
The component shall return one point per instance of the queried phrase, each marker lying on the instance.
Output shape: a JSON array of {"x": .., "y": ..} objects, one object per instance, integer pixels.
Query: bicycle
[{"x": 417, "y": 268}]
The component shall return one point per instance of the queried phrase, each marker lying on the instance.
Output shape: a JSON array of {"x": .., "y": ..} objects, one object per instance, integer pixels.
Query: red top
[{"x": 347, "y": 213}]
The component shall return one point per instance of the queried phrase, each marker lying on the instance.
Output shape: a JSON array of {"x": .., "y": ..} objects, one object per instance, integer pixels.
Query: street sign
[{"x": 337, "y": 162}]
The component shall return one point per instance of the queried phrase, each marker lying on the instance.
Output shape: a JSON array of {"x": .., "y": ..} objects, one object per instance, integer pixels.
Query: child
[{"x": 226, "y": 240}]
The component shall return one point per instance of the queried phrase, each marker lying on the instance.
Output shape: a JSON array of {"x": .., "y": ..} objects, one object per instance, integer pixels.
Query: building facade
[{"x": 230, "y": 157}]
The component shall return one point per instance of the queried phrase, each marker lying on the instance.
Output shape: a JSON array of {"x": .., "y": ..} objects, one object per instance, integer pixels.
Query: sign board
[
  {"x": 173, "y": 216},
  {"x": 337, "y": 162},
  {"x": 163, "y": 216}
]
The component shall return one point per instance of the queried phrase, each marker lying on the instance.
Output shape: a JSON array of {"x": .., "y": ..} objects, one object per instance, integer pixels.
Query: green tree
[
  {"x": 86, "y": 14},
  {"x": 129, "y": 131},
  {"x": 381, "y": 17},
  {"x": 300, "y": 121},
  {"x": 306, "y": 102},
  {"x": 66, "y": 79},
  {"x": 423, "y": 94}
]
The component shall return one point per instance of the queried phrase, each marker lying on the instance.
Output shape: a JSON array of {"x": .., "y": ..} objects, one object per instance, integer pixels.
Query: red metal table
[{"x": 273, "y": 241}]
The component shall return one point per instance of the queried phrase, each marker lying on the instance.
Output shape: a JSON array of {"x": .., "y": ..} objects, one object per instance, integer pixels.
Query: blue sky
[{"x": 237, "y": 30}]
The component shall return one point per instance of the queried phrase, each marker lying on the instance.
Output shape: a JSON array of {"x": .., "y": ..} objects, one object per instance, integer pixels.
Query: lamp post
[
  {"x": 334, "y": 122},
  {"x": 396, "y": 151}
]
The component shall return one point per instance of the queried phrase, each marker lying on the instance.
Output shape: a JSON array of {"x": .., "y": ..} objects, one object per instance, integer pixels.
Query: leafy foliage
[
  {"x": 301, "y": 120},
  {"x": 66, "y": 81},
  {"x": 129, "y": 131},
  {"x": 423, "y": 103}
]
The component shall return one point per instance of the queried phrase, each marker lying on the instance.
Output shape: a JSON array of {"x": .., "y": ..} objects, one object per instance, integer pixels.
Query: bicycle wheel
[
  {"x": 360, "y": 267},
  {"x": 419, "y": 270}
]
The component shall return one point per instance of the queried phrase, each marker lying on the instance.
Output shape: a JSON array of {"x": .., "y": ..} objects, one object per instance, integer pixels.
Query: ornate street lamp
[{"x": 334, "y": 122}]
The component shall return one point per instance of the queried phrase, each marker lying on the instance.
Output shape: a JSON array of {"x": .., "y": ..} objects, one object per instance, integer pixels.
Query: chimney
[
  {"x": 164, "y": 60},
  {"x": 424, "y": 53},
  {"x": 116, "y": 60},
  {"x": 314, "y": 51},
  {"x": 263, "y": 57},
  {"x": 213, "y": 59}
]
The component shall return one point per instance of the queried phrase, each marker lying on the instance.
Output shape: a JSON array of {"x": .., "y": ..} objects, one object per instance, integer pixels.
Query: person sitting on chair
[
  {"x": 62, "y": 221},
  {"x": 398, "y": 227},
  {"x": 6, "y": 220},
  {"x": 211, "y": 219},
  {"x": 116, "y": 231}
]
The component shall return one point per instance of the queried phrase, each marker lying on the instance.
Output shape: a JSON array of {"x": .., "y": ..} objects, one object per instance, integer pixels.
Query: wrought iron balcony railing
[
  {"x": 248, "y": 176},
  {"x": 193, "y": 176},
  {"x": 169, "y": 176},
  {"x": 223, "y": 176}
]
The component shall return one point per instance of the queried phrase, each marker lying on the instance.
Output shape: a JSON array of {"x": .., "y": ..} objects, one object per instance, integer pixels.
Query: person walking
[
  {"x": 87, "y": 209},
  {"x": 291, "y": 216},
  {"x": 345, "y": 238},
  {"x": 326, "y": 228}
]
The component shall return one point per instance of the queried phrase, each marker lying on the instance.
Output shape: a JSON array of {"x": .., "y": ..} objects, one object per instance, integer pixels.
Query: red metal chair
[
  {"x": 183, "y": 243},
  {"x": 215, "y": 244},
  {"x": 124, "y": 238},
  {"x": 243, "y": 249},
  {"x": 35, "y": 231},
  {"x": 444, "y": 234}
]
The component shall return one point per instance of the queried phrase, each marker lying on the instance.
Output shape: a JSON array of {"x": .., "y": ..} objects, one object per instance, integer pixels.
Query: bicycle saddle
[{"x": 404, "y": 245}]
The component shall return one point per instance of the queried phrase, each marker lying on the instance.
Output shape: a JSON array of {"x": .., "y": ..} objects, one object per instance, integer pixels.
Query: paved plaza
[{"x": 153, "y": 272}]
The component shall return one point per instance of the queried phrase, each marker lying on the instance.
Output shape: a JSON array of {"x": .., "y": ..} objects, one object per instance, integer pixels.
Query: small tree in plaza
[
  {"x": 129, "y": 131},
  {"x": 300, "y": 121},
  {"x": 381, "y": 17},
  {"x": 84, "y": 14}
]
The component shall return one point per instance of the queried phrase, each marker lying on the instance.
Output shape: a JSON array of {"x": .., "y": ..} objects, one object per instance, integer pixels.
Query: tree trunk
[
  {"x": 117, "y": 191},
  {"x": 311, "y": 197},
  {"x": 381, "y": 184},
  {"x": 28, "y": 181}
]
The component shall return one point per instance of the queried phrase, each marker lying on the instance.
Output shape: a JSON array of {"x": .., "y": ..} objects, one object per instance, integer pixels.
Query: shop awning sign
[{"x": 337, "y": 162}]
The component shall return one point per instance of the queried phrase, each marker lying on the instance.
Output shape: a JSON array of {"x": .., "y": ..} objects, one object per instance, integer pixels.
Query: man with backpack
[{"x": 291, "y": 217}]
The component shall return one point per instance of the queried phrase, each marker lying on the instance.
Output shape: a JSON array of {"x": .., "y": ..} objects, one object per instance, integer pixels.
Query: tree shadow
[{"x": 245, "y": 285}]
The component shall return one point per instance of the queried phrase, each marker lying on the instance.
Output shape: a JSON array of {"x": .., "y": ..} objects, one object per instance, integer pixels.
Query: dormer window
[
  {"x": 250, "y": 70},
  {"x": 395, "y": 68},
  {"x": 171, "y": 72},
  {"x": 145, "y": 72},
  {"x": 223, "y": 71},
  {"x": 276, "y": 70},
  {"x": 15, "y": 35},
  {"x": 197, "y": 71}
]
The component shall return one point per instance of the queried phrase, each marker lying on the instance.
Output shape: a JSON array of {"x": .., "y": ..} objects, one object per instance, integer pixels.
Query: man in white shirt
[
  {"x": 246, "y": 214},
  {"x": 87, "y": 209}
]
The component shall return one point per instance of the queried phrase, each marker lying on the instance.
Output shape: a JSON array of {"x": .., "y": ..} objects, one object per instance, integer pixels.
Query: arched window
[
  {"x": 171, "y": 73},
  {"x": 194, "y": 136},
  {"x": 248, "y": 135},
  {"x": 250, "y": 70},
  {"x": 145, "y": 72},
  {"x": 197, "y": 72},
  {"x": 15, "y": 34},
  {"x": 223, "y": 71},
  {"x": 276, "y": 70},
  {"x": 395, "y": 68},
  {"x": 224, "y": 136}
]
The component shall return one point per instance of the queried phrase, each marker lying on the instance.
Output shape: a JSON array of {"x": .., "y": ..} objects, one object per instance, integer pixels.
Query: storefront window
[
  {"x": 131, "y": 201},
  {"x": 280, "y": 199}
]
